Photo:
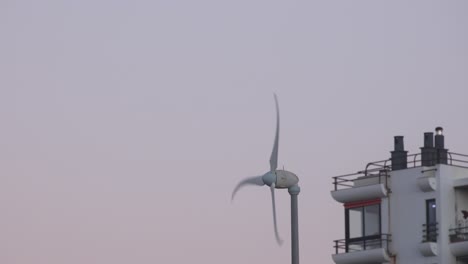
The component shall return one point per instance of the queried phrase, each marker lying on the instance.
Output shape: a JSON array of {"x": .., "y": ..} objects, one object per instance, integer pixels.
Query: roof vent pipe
[
  {"x": 439, "y": 138},
  {"x": 399, "y": 155},
  {"x": 428, "y": 152},
  {"x": 399, "y": 144},
  {"x": 442, "y": 153},
  {"x": 428, "y": 140}
]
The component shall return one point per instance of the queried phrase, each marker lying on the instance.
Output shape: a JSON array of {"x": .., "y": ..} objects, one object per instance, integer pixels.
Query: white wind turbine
[{"x": 279, "y": 179}]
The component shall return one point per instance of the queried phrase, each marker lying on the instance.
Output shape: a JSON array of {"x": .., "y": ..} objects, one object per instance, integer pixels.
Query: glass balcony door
[{"x": 363, "y": 227}]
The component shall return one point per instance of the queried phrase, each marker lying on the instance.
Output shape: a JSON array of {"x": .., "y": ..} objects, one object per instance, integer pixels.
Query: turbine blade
[
  {"x": 274, "y": 152},
  {"x": 278, "y": 239},
  {"x": 257, "y": 180}
]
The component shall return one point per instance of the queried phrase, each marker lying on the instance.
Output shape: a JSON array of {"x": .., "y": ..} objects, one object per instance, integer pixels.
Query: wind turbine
[{"x": 279, "y": 179}]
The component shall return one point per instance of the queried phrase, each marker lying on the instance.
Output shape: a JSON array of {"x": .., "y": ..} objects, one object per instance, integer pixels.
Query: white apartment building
[{"x": 408, "y": 209}]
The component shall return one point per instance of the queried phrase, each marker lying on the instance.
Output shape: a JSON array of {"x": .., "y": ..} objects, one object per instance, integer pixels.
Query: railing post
[
  {"x": 387, "y": 236},
  {"x": 386, "y": 180}
]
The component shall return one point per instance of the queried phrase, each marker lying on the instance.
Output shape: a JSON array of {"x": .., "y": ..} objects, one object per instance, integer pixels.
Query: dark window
[{"x": 431, "y": 220}]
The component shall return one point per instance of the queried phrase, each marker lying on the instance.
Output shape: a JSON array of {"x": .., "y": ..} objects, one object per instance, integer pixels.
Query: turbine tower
[{"x": 279, "y": 179}]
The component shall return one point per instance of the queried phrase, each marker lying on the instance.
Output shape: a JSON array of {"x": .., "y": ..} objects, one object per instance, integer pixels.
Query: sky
[{"x": 125, "y": 125}]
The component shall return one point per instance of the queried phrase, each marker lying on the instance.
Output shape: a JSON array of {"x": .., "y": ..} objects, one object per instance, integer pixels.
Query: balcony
[
  {"x": 459, "y": 241},
  {"x": 370, "y": 249},
  {"x": 427, "y": 182},
  {"x": 364, "y": 185},
  {"x": 430, "y": 232},
  {"x": 428, "y": 247}
]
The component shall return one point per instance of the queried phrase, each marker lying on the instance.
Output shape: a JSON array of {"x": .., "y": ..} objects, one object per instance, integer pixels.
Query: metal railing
[
  {"x": 430, "y": 232},
  {"x": 361, "y": 178},
  {"x": 458, "y": 234},
  {"x": 362, "y": 243},
  {"x": 377, "y": 168},
  {"x": 457, "y": 159}
]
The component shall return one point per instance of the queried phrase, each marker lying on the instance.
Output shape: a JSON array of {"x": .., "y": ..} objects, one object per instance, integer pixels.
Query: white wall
[
  {"x": 445, "y": 210},
  {"x": 408, "y": 212},
  {"x": 451, "y": 205},
  {"x": 407, "y": 216}
]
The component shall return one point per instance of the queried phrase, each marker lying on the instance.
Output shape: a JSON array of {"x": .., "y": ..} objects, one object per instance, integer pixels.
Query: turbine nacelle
[
  {"x": 285, "y": 179},
  {"x": 282, "y": 179}
]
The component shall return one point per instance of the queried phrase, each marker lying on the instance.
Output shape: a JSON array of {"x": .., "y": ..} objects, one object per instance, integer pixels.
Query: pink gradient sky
[{"x": 125, "y": 125}]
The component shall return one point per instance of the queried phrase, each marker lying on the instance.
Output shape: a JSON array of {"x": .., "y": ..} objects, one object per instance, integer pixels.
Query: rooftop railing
[
  {"x": 457, "y": 159},
  {"x": 361, "y": 178},
  {"x": 379, "y": 169}
]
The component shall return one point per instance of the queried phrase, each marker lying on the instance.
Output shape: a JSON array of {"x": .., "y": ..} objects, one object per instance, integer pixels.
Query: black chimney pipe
[
  {"x": 399, "y": 155},
  {"x": 428, "y": 152},
  {"x": 441, "y": 151}
]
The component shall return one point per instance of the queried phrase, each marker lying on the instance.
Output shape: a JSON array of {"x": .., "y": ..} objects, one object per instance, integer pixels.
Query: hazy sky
[{"x": 125, "y": 125}]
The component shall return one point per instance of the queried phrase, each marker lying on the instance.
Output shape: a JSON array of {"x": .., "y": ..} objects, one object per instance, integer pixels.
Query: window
[
  {"x": 355, "y": 222},
  {"x": 431, "y": 211},
  {"x": 372, "y": 220},
  {"x": 431, "y": 220},
  {"x": 362, "y": 225}
]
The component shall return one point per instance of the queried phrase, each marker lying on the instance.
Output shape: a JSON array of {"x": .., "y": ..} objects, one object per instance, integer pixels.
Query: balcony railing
[
  {"x": 361, "y": 178},
  {"x": 362, "y": 243},
  {"x": 430, "y": 232},
  {"x": 382, "y": 167},
  {"x": 458, "y": 234},
  {"x": 459, "y": 243}
]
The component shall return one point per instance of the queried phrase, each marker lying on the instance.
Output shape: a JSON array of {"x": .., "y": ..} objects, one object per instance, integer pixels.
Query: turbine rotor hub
[{"x": 269, "y": 178}]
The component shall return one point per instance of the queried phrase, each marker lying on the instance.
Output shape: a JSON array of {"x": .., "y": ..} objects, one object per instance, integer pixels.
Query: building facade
[{"x": 410, "y": 208}]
